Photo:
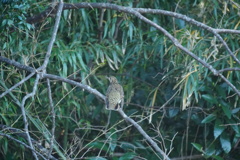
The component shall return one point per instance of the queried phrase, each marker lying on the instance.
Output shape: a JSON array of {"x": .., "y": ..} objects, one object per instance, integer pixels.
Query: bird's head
[{"x": 112, "y": 79}]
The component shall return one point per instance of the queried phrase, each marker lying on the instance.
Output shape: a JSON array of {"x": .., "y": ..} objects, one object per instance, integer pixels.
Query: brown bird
[{"x": 114, "y": 95}]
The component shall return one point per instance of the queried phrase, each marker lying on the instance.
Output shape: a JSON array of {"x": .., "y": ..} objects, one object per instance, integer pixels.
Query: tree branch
[
  {"x": 22, "y": 134},
  {"x": 22, "y": 143},
  {"x": 95, "y": 92},
  {"x": 53, "y": 116},
  {"x": 137, "y": 12},
  {"x": 51, "y": 76},
  {"x": 145, "y": 135}
]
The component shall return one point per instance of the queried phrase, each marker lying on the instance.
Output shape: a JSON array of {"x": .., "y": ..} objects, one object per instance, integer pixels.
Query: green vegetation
[{"x": 201, "y": 111}]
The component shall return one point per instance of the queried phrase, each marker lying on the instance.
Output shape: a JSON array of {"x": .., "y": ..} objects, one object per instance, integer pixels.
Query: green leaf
[
  {"x": 234, "y": 126},
  {"x": 198, "y": 146},
  {"x": 124, "y": 42},
  {"x": 225, "y": 142},
  {"x": 126, "y": 146},
  {"x": 80, "y": 59},
  {"x": 173, "y": 112},
  {"x": 65, "y": 68},
  {"x": 210, "y": 150},
  {"x": 105, "y": 30},
  {"x": 29, "y": 26},
  {"x": 209, "y": 98},
  {"x": 227, "y": 112},
  {"x": 209, "y": 118},
  {"x": 112, "y": 137},
  {"x": 218, "y": 129},
  {"x": 130, "y": 31},
  {"x": 225, "y": 108},
  {"x": 217, "y": 158},
  {"x": 99, "y": 145},
  {"x": 140, "y": 145},
  {"x": 128, "y": 156},
  {"x": 235, "y": 110},
  {"x": 97, "y": 158},
  {"x": 9, "y": 22},
  {"x": 85, "y": 19},
  {"x": 4, "y": 22}
]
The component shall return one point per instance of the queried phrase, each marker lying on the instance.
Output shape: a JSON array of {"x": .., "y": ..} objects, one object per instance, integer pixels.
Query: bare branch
[
  {"x": 25, "y": 117},
  {"x": 22, "y": 143},
  {"x": 44, "y": 75},
  {"x": 229, "y": 69},
  {"x": 232, "y": 31},
  {"x": 17, "y": 84},
  {"x": 94, "y": 91},
  {"x": 137, "y": 12},
  {"x": 16, "y": 64},
  {"x": 22, "y": 134},
  {"x": 83, "y": 86},
  {"x": 145, "y": 135},
  {"x": 53, "y": 117},
  {"x": 49, "y": 50},
  {"x": 194, "y": 22}
]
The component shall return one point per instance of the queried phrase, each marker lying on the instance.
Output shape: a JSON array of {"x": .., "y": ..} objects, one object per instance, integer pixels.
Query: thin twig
[
  {"x": 22, "y": 134},
  {"x": 53, "y": 117},
  {"x": 137, "y": 12},
  {"x": 25, "y": 117},
  {"x": 51, "y": 76},
  {"x": 22, "y": 143},
  {"x": 50, "y": 46},
  {"x": 229, "y": 69},
  {"x": 194, "y": 22},
  {"x": 145, "y": 135},
  {"x": 83, "y": 86},
  {"x": 17, "y": 84}
]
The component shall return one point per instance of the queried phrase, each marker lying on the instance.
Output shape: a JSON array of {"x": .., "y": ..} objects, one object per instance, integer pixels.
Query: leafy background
[{"x": 202, "y": 116}]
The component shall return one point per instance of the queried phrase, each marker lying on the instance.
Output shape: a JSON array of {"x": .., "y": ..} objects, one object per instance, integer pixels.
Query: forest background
[{"x": 178, "y": 62}]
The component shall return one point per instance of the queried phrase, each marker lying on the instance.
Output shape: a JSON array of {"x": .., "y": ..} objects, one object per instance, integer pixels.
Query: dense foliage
[{"x": 202, "y": 111}]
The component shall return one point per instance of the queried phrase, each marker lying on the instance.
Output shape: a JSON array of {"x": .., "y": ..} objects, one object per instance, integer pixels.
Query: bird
[{"x": 114, "y": 95}]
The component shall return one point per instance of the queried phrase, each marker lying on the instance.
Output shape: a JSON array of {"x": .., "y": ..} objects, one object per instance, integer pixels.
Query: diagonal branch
[
  {"x": 198, "y": 24},
  {"x": 137, "y": 12},
  {"x": 54, "y": 34},
  {"x": 145, "y": 135},
  {"x": 97, "y": 93},
  {"x": 17, "y": 84},
  {"x": 22, "y": 143},
  {"x": 22, "y": 134}
]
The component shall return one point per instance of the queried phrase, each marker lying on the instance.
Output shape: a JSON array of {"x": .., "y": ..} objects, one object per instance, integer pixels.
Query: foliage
[{"x": 202, "y": 116}]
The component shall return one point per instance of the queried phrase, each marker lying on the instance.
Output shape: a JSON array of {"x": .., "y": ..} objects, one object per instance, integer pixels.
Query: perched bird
[{"x": 115, "y": 95}]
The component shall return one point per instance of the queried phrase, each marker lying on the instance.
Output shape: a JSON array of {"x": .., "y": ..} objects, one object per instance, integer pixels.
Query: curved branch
[
  {"x": 51, "y": 76},
  {"x": 137, "y": 12},
  {"x": 194, "y": 22},
  {"x": 97, "y": 93},
  {"x": 22, "y": 134},
  {"x": 22, "y": 143}
]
